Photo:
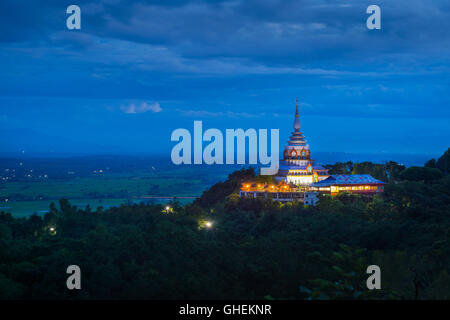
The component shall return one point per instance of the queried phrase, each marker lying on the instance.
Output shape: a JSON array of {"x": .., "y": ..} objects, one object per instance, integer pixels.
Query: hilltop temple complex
[{"x": 299, "y": 178}]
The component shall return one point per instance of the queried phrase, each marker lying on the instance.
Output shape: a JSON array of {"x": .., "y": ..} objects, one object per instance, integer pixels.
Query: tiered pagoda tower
[{"x": 297, "y": 167}]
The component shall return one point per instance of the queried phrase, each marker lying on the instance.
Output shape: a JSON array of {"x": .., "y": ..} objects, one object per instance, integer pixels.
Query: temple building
[
  {"x": 297, "y": 167},
  {"x": 299, "y": 179},
  {"x": 354, "y": 183}
]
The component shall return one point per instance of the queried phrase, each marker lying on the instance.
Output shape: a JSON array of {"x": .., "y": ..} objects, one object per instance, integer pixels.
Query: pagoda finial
[{"x": 297, "y": 120}]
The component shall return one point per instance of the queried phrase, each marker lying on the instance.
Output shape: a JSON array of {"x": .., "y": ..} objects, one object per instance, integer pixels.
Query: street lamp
[{"x": 52, "y": 230}]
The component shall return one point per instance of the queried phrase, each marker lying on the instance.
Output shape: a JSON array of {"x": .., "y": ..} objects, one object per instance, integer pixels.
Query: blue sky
[{"x": 137, "y": 70}]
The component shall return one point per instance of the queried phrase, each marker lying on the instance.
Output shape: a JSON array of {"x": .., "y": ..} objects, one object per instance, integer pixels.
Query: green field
[
  {"x": 122, "y": 180},
  {"x": 22, "y": 198},
  {"x": 107, "y": 185}
]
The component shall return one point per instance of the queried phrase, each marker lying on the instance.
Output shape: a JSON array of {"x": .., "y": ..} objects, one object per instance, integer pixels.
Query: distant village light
[{"x": 208, "y": 224}]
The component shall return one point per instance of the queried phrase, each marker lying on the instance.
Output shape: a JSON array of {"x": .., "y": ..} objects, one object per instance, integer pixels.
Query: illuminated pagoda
[
  {"x": 298, "y": 179},
  {"x": 297, "y": 167}
]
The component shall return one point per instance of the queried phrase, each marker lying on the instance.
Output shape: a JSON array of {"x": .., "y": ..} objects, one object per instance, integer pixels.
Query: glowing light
[
  {"x": 208, "y": 224},
  {"x": 52, "y": 229},
  {"x": 167, "y": 209}
]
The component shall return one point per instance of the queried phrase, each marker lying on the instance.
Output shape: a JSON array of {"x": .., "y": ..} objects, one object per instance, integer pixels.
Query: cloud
[
  {"x": 259, "y": 37},
  {"x": 279, "y": 32},
  {"x": 218, "y": 114},
  {"x": 142, "y": 108},
  {"x": 253, "y": 55}
]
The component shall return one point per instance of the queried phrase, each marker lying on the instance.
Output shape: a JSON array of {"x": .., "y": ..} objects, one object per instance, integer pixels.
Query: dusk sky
[{"x": 137, "y": 70}]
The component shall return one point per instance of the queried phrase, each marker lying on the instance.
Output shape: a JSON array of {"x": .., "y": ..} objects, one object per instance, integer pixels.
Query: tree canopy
[{"x": 251, "y": 248}]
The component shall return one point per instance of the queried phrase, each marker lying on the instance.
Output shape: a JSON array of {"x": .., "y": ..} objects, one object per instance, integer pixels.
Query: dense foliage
[{"x": 254, "y": 248}]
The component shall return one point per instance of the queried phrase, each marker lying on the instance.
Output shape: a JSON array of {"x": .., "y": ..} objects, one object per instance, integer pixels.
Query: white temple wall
[{"x": 300, "y": 179}]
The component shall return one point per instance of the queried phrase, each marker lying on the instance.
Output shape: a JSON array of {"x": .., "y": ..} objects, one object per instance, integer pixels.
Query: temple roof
[
  {"x": 339, "y": 179},
  {"x": 297, "y": 138}
]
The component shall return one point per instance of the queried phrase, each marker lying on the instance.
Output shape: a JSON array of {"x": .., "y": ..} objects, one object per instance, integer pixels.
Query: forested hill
[{"x": 224, "y": 247}]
